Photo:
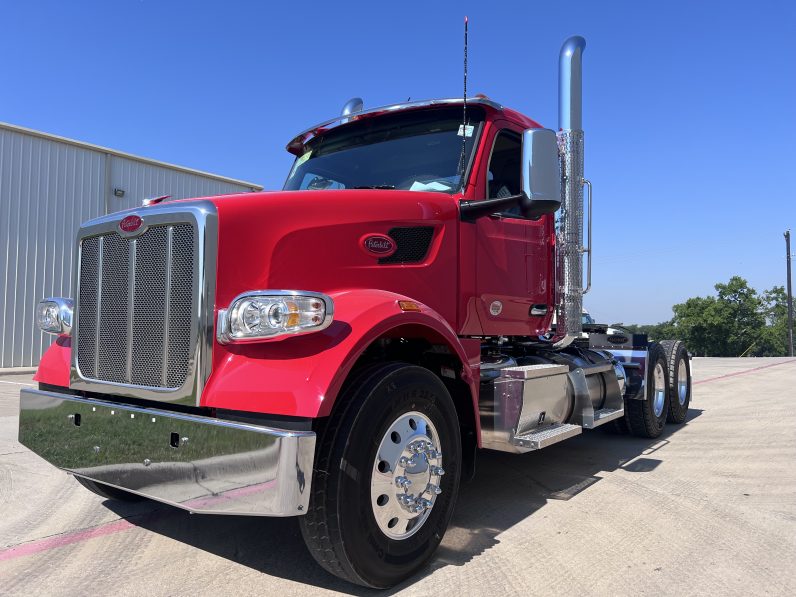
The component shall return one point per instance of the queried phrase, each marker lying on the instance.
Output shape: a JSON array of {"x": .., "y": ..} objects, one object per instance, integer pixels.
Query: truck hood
[{"x": 313, "y": 240}]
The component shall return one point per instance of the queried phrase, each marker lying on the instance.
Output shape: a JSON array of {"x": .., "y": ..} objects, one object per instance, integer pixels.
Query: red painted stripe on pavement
[
  {"x": 26, "y": 549},
  {"x": 40, "y": 545},
  {"x": 744, "y": 372}
]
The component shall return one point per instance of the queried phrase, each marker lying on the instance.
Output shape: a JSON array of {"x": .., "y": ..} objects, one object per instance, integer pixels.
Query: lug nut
[
  {"x": 416, "y": 448},
  {"x": 437, "y": 470},
  {"x": 402, "y": 482},
  {"x": 435, "y": 489},
  {"x": 432, "y": 454},
  {"x": 426, "y": 504},
  {"x": 404, "y": 461}
]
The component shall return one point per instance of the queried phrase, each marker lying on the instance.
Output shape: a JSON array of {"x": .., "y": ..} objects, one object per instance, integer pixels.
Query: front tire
[
  {"x": 365, "y": 524},
  {"x": 647, "y": 417}
]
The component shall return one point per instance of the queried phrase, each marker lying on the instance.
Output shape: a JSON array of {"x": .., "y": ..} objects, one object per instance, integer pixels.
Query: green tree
[
  {"x": 655, "y": 331},
  {"x": 725, "y": 325},
  {"x": 774, "y": 337},
  {"x": 736, "y": 321},
  {"x": 697, "y": 323}
]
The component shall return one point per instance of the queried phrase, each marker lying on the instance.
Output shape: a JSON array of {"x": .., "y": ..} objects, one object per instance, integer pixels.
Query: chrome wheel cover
[
  {"x": 406, "y": 475},
  {"x": 658, "y": 390},
  {"x": 682, "y": 382}
]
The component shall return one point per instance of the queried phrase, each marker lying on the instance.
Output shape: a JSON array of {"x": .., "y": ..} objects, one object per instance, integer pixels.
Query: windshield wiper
[{"x": 377, "y": 186}]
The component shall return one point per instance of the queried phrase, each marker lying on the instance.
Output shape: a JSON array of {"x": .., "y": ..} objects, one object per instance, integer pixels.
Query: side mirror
[{"x": 541, "y": 173}]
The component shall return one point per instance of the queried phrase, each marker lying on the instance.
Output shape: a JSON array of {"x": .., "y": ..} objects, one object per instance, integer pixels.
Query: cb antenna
[{"x": 464, "y": 111}]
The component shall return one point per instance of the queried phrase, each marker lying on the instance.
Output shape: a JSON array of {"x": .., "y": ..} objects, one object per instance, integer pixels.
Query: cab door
[{"x": 513, "y": 253}]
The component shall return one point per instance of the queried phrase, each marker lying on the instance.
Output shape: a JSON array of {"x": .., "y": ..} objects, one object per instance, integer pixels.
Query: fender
[
  {"x": 302, "y": 375},
  {"x": 54, "y": 365}
]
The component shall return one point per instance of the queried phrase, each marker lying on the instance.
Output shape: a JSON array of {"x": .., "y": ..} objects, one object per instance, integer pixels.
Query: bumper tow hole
[
  {"x": 76, "y": 419},
  {"x": 174, "y": 440}
]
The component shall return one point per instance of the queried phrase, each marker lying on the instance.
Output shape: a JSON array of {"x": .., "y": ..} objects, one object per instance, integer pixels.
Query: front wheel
[{"x": 386, "y": 476}]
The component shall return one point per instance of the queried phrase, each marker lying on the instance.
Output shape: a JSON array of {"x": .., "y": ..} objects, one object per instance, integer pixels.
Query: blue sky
[{"x": 688, "y": 106}]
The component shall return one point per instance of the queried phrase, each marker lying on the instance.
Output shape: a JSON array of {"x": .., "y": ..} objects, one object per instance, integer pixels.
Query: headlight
[
  {"x": 265, "y": 314},
  {"x": 54, "y": 315}
]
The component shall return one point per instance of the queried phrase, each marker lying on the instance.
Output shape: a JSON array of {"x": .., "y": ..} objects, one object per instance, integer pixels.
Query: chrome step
[
  {"x": 541, "y": 438},
  {"x": 602, "y": 416}
]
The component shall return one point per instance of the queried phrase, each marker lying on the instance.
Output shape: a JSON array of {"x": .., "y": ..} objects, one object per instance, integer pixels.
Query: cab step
[
  {"x": 546, "y": 436},
  {"x": 602, "y": 416}
]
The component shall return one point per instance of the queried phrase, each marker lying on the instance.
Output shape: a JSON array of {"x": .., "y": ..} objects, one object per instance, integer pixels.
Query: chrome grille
[{"x": 136, "y": 305}]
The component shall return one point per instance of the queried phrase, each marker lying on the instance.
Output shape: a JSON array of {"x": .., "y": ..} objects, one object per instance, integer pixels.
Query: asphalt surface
[{"x": 707, "y": 509}]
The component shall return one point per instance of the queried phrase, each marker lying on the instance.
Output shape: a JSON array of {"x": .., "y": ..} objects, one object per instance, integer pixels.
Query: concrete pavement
[{"x": 709, "y": 508}]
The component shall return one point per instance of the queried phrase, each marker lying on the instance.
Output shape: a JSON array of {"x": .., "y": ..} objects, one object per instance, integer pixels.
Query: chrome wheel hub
[
  {"x": 659, "y": 390},
  {"x": 682, "y": 383},
  {"x": 406, "y": 476}
]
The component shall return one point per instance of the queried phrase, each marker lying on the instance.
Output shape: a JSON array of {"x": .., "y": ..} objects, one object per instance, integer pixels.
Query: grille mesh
[
  {"x": 412, "y": 244},
  {"x": 112, "y": 334},
  {"x": 136, "y": 304}
]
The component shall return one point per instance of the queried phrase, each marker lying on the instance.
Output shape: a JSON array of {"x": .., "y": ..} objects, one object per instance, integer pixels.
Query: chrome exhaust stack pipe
[{"x": 569, "y": 230}]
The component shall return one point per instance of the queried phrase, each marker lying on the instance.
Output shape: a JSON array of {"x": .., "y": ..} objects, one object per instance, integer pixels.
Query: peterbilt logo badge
[
  {"x": 378, "y": 244},
  {"x": 130, "y": 224}
]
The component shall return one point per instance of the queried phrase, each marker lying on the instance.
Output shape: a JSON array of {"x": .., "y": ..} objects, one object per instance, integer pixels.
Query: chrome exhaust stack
[{"x": 569, "y": 229}]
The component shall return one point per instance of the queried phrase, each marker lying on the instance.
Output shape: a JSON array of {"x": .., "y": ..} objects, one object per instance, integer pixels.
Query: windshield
[{"x": 418, "y": 150}]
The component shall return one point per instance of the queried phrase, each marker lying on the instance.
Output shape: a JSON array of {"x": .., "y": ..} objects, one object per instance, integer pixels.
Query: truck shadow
[{"x": 507, "y": 489}]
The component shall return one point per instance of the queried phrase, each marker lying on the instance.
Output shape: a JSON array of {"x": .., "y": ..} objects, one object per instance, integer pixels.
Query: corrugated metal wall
[
  {"x": 141, "y": 181},
  {"x": 47, "y": 189}
]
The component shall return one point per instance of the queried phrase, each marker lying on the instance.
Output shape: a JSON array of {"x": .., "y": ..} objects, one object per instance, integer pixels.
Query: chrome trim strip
[
  {"x": 216, "y": 467},
  {"x": 167, "y": 307},
  {"x": 101, "y": 248},
  {"x": 303, "y": 136},
  {"x": 204, "y": 217},
  {"x": 131, "y": 257}
]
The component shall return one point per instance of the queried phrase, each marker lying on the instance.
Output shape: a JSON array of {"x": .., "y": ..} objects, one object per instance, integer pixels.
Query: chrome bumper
[{"x": 200, "y": 464}]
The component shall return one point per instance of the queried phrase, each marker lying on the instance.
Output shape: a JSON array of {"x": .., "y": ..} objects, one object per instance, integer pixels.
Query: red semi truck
[{"x": 340, "y": 350}]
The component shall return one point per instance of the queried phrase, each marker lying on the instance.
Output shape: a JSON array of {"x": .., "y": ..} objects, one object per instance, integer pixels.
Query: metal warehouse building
[{"x": 49, "y": 185}]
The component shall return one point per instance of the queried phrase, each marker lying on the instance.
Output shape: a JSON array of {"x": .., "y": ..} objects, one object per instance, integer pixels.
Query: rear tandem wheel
[
  {"x": 679, "y": 380},
  {"x": 647, "y": 417}
]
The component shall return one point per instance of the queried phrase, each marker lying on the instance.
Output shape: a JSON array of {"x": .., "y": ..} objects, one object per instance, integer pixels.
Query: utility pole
[{"x": 790, "y": 295}]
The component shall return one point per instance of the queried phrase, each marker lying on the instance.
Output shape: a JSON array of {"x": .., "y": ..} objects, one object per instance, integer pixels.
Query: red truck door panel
[{"x": 512, "y": 252}]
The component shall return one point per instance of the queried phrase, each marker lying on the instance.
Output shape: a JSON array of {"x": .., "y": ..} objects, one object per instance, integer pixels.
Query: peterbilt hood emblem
[
  {"x": 378, "y": 244},
  {"x": 130, "y": 224}
]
